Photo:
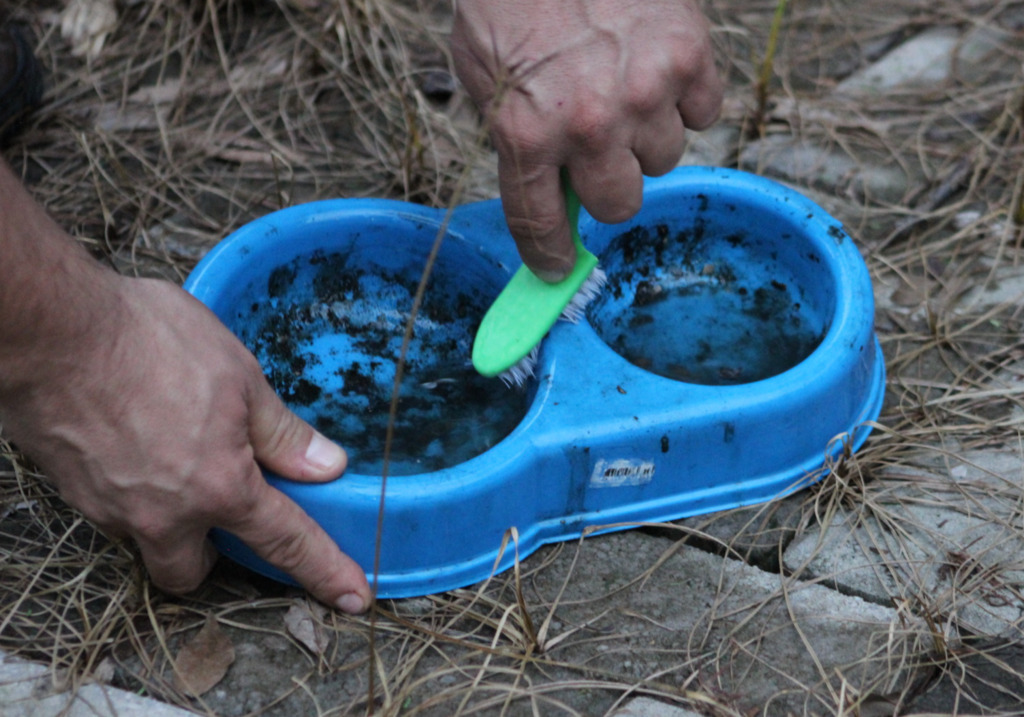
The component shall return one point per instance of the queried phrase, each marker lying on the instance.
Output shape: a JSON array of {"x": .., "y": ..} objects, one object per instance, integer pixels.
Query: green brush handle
[{"x": 528, "y": 307}]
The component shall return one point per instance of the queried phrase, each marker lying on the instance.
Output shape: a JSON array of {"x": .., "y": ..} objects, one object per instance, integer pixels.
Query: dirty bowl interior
[
  {"x": 325, "y": 316},
  {"x": 704, "y": 295}
]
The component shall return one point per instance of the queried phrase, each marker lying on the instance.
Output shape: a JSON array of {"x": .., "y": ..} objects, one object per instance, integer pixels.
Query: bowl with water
[{"x": 730, "y": 358}]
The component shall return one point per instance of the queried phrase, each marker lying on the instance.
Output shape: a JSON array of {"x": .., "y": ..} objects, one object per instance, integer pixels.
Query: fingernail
[
  {"x": 351, "y": 603},
  {"x": 552, "y": 276},
  {"x": 323, "y": 453}
]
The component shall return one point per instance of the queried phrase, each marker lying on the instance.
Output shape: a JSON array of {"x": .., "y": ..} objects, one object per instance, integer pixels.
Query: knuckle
[
  {"x": 592, "y": 124},
  {"x": 177, "y": 584},
  {"x": 541, "y": 250},
  {"x": 284, "y": 433},
  {"x": 520, "y": 136},
  {"x": 228, "y": 502},
  {"x": 646, "y": 93},
  {"x": 288, "y": 551},
  {"x": 153, "y": 526},
  {"x": 232, "y": 504},
  {"x": 532, "y": 231},
  {"x": 690, "y": 61}
]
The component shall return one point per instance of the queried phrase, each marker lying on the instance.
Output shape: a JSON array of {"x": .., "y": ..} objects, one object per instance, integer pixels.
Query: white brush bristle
[
  {"x": 576, "y": 308},
  {"x": 523, "y": 369},
  {"x": 574, "y": 311}
]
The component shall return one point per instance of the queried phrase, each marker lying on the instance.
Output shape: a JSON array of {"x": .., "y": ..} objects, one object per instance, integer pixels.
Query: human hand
[
  {"x": 154, "y": 423},
  {"x": 605, "y": 88}
]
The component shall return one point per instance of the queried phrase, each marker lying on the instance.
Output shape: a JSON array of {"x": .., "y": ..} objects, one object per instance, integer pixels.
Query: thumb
[
  {"x": 534, "y": 208},
  {"x": 285, "y": 444}
]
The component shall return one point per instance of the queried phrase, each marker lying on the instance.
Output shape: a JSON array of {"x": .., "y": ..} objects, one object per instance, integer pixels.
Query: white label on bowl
[{"x": 623, "y": 472}]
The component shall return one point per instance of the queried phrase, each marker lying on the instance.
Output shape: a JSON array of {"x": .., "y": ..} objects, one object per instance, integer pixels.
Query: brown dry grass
[{"x": 198, "y": 116}]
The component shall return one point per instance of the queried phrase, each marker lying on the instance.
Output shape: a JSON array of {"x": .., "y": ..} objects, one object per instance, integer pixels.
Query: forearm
[{"x": 51, "y": 292}]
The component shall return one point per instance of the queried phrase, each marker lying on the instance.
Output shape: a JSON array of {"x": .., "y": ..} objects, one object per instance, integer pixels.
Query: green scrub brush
[{"x": 508, "y": 341}]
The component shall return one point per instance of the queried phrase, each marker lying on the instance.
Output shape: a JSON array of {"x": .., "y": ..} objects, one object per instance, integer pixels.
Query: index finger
[
  {"x": 281, "y": 533},
  {"x": 534, "y": 206}
]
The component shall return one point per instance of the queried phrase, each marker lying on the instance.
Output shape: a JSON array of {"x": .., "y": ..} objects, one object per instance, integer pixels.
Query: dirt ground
[{"x": 192, "y": 118}]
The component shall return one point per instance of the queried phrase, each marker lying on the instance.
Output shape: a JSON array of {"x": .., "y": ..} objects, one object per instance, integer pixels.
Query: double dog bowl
[{"x": 732, "y": 350}]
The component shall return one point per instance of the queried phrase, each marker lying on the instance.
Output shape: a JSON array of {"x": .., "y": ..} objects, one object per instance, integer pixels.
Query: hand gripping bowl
[{"x": 731, "y": 353}]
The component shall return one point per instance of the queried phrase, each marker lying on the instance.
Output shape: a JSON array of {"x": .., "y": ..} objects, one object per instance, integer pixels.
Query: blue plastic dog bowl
[{"x": 732, "y": 351}]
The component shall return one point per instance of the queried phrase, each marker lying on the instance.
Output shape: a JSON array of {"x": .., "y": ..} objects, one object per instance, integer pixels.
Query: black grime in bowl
[
  {"x": 711, "y": 305},
  {"x": 327, "y": 329}
]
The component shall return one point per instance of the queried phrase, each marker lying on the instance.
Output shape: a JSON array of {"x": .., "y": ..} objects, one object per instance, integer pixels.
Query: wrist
[{"x": 55, "y": 299}]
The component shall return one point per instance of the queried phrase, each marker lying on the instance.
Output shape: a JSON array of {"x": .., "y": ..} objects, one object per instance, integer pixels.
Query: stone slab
[
  {"x": 941, "y": 536},
  {"x": 756, "y": 640},
  {"x": 933, "y": 59},
  {"x": 647, "y": 707},
  {"x": 924, "y": 60},
  {"x": 27, "y": 689},
  {"x": 755, "y": 534},
  {"x": 1006, "y": 288},
  {"x": 810, "y": 164}
]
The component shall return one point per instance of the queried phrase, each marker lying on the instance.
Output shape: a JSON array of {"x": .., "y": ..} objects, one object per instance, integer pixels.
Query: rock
[
  {"x": 978, "y": 56},
  {"x": 27, "y": 690},
  {"x": 939, "y": 537},
  {"x": 1006, "y": 288},
  {"x": 755, "y": 638},
  {"x": 924, "y": 60},
  {"x": 754, "y": 534},
  {"x": 933, "y": 59},
  {"x": 808, "y": 163},
  {"x": 438, "y": 84},
  {"x": 647, "y": 707}
]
